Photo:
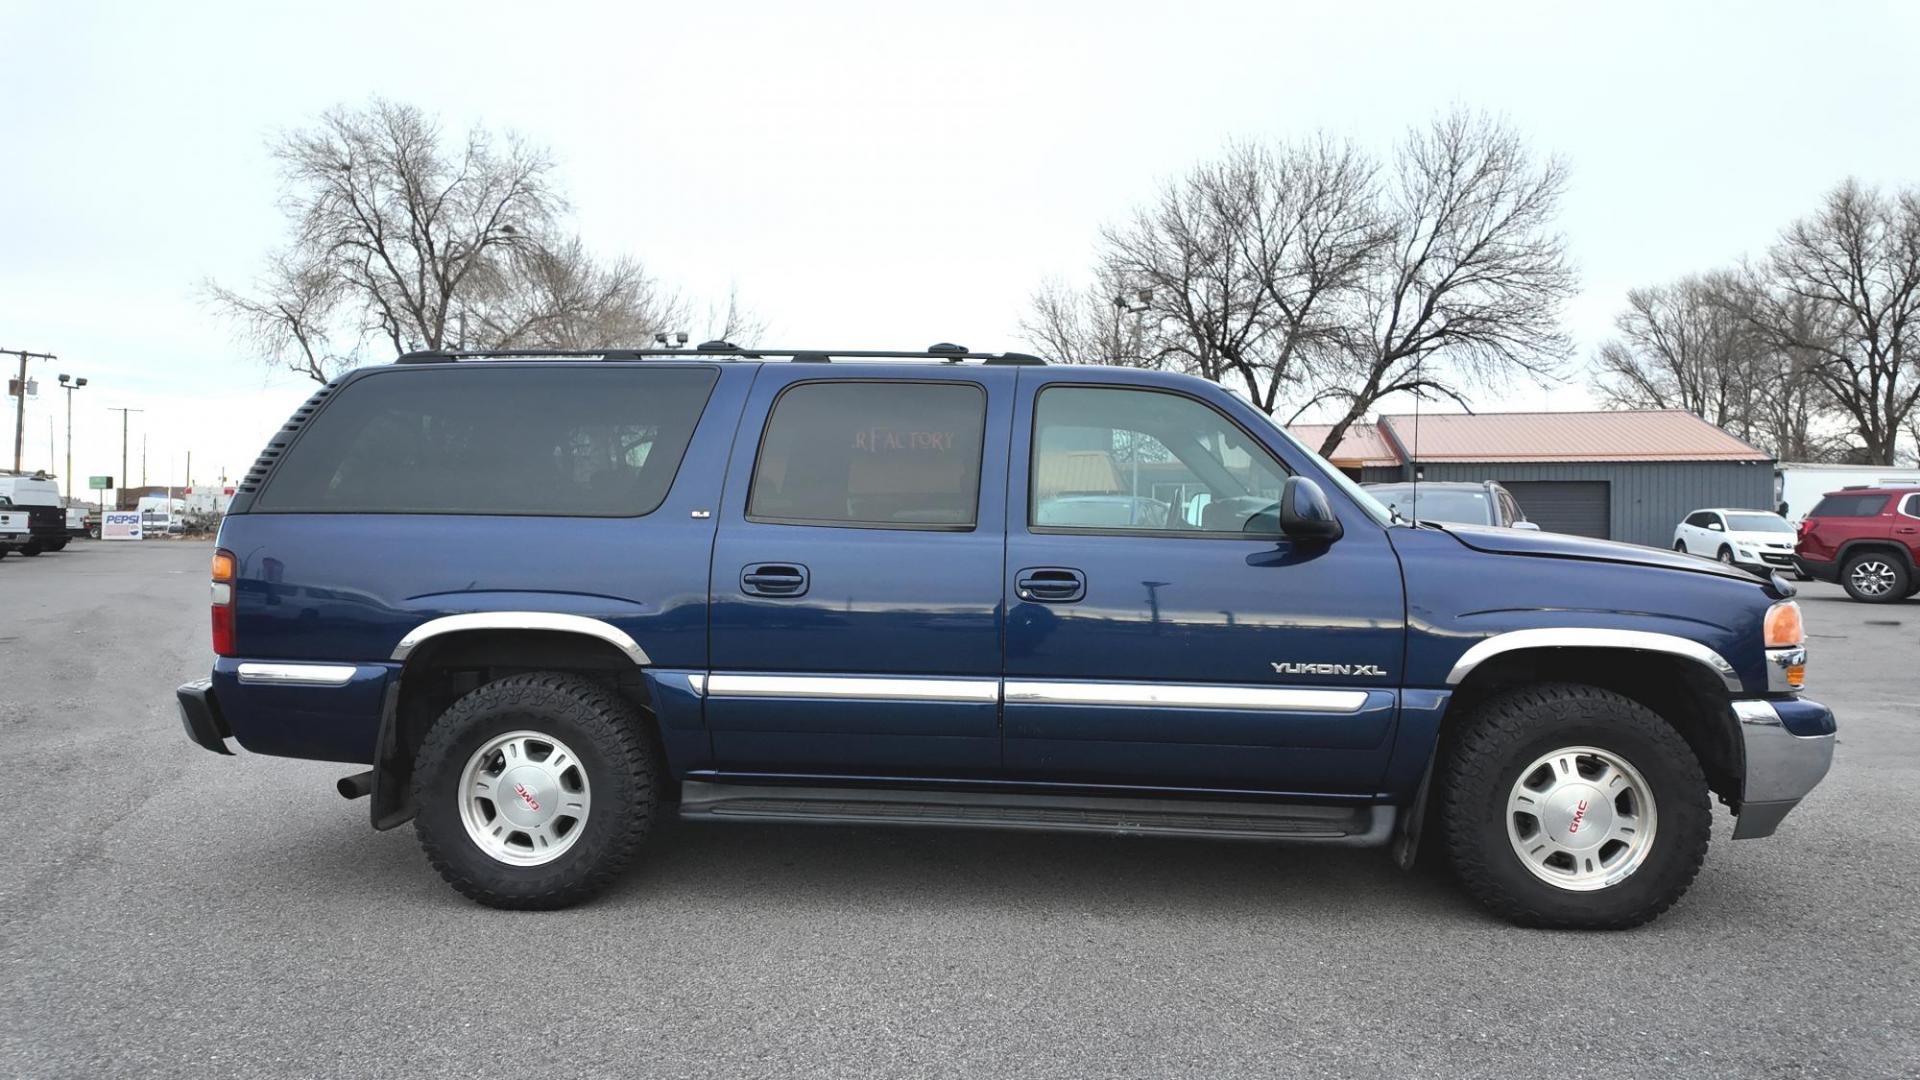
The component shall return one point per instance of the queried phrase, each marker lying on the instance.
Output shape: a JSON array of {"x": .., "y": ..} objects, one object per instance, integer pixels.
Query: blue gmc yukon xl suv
[{"x": 547, "y": 599}]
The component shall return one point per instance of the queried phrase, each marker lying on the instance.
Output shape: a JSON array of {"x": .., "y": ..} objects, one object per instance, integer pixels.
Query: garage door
[{"x": 1564, "y": 506}]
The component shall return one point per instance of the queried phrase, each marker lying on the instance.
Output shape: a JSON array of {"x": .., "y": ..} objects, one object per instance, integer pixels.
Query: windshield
[
  {"x": 1372, "y": 506},
  {"x": 1769, "y": 523},
  {"x": 1438, "y": 504}
]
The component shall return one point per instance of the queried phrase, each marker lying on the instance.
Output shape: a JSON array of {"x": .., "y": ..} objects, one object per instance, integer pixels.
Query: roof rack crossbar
[{"x": 711, "y": 350}]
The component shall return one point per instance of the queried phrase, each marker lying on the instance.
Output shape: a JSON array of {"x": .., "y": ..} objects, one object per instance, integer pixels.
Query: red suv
[{"x": 1867, "y": 539}]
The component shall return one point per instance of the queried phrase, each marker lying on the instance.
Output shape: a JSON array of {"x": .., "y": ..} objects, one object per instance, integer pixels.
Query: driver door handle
[{"x": 1050, "y": 584}]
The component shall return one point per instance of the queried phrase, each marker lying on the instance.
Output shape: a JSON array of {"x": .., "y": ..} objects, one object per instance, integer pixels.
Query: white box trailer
[{"x": 1798, "y": 486}]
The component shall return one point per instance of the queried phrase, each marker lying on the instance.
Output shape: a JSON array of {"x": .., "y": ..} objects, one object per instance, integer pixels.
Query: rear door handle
[
  {"x": 774, "y": 579},
  {"x": 1050, "y": 584}
]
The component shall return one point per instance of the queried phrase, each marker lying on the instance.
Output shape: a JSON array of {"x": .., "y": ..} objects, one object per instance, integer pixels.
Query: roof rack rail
[{"x": 709, "y": 350}]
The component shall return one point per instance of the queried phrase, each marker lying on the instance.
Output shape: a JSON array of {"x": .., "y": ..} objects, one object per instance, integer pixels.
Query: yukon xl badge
[{"x": 1283, "y": 667}]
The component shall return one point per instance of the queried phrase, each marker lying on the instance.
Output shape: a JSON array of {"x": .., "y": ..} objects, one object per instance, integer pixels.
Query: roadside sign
[
  {"x": 120, "y": 525},
  {"x": 99, "y": 483}
]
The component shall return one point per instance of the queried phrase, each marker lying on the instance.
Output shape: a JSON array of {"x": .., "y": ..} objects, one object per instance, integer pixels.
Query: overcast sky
[{"x": 866, "y": 175}]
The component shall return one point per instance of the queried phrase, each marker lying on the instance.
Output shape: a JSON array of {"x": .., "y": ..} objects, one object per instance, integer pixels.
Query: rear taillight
[{"x": 223, "y": 603}]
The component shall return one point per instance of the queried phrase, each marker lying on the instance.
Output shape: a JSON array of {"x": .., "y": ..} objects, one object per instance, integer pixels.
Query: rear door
[
  {"x": 1182, "y": 645},
  {"x": 855, "y": 591},
  {"x": 1843, "y": 517}
]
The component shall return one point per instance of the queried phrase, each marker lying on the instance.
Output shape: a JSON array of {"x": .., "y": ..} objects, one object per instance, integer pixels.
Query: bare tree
[
  {"x": 1473, "y": 283},
  {"x": 1687, "y": 346},
  {"x": 289, "y": 318},
  {"x": 556, "y": 296},
  {"x": 1842, "y": 287},
  {"x": 404, "y": 236},
  {"x": 1297, "y": 273},
  {"x": 1103, "y": 325}
]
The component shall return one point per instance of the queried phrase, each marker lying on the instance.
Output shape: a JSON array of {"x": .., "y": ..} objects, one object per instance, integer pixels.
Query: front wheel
[
  {"x": 1874, "y": 577},
  {"x": 1726, "y": 555},
  {"x": 535, "y": 791},
  {"x": 1680, "y": 546},
  {"x": 1571, "y": 807}
]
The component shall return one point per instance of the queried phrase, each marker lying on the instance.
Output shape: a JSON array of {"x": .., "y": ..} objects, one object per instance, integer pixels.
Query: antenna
[{"x": 1419, "y": 361}]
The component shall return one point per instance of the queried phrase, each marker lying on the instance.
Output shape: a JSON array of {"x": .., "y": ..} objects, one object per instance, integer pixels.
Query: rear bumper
[
  {"x": 1817, "y": 570},
  {"x": 1789, "y": 748},
  {"x": 200, "y": 715}
]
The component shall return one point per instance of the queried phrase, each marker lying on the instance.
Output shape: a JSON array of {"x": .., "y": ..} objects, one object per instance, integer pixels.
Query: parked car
[
  {"x": 1755, "y": 539},
  {"x": 80, "y": 523},
  {"x": 40, "y": 498},
  {"x": 14, "y": 528},
  {"x": 1865, "y": 538},
  {"x": 545, "y": 601},
  {"x": 1454, "y": 502}
]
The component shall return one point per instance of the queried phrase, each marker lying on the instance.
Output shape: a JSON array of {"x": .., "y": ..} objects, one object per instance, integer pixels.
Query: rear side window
[
  {"x": 560, "y": 441},
  {"x": 1850, "y": 506},
  {"x": 872, "y": 455},
  {"x": 1912, "y": 506}
]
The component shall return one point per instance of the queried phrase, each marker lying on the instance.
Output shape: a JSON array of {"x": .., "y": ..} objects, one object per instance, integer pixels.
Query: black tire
[
  {"x": 1680, "y": 546},
  {"x": 58, "y": 545},
  {"x": 609, "y": 737},
  {"x": 1508, "y": 732},
  {"x": 1885, "y": 569},
  {"x": 1725, "y": 555},
  {"x": 30, "y": 548}
]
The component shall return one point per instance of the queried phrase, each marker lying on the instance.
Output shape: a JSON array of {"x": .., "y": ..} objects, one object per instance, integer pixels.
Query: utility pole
[
  {"x": 20, "y": 407},
  {"x": 123, "y": 446}
]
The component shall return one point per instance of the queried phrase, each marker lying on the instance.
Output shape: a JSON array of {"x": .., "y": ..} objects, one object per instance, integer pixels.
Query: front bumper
[
  {"x": 200, "y": 715},
  {"x": 1789, "y": 747}
]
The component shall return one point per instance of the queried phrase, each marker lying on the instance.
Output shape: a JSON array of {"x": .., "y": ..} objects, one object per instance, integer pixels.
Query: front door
[
  {"x": 855, "y": 593},
  {"x": 1159, "y": 633}
]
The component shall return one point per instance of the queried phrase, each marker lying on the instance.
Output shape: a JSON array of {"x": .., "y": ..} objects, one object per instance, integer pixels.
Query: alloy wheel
[
  {"x": 1872, "y": 577},
  {"x": 524, "y": 798},
  {"x": 1581, "y": 818}
]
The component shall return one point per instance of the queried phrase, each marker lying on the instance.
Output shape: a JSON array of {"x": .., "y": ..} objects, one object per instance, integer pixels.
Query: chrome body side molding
[
  {"x": 854, "y": 687},
  {"x": 297, "y": 674},
  {"x": 1570, "y": 637},
  {"x": 522, "y": 620},
  {"x": 1182, "y": 696}
]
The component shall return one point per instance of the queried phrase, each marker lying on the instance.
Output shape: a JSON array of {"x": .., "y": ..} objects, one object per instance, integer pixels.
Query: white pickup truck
[{"x": 13, "y": 529}]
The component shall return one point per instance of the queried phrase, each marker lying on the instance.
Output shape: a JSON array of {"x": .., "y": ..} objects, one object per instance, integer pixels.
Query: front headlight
[{"x": 1786, "y": 638}]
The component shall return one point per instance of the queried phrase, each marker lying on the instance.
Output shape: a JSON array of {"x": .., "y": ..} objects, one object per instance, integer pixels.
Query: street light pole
[
  {"x": 70, "y": 384},
  {"x": 20, "y": 407}
]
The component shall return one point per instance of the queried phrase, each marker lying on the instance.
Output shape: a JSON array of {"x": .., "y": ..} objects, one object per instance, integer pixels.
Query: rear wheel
[
  {"x": 57, "y": 545},
  {"x": 1573, "y": 807},
  {"x": 32, "y": 547},
  {"x": 1875, "y": 577},
  {"x": 535, "y": 791}
]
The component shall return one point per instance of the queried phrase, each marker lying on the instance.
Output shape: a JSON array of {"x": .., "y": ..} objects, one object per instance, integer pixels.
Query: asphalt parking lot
[{"x": 168, "y": 912}]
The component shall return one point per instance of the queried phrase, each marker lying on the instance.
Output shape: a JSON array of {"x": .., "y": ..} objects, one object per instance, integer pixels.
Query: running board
[{"x": 1353, "y": 826}]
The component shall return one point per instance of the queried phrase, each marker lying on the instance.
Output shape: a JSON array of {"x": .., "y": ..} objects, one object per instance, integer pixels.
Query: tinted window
[
  {"x": 1700, "y": 520},
  {"x": 895, "y": 455},
  {"x": 1770, "y": 523},
  {"x": 568, "y": 441},
  {"x": 1912, "y": 507},
  {"x": 1850, "y": 506},
  {"x": 1133, "y": 459}
]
